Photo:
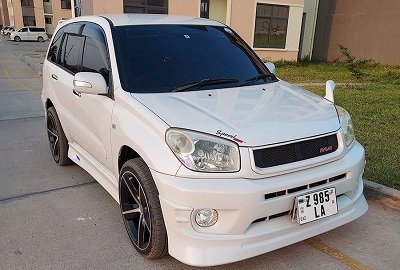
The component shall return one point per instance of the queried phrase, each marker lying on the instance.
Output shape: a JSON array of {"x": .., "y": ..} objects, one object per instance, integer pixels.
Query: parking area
[{"x": 60, "y": 218}]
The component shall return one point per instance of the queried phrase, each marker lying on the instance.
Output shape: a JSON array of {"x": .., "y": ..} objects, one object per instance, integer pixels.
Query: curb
[{"x": 378, "y": 191}]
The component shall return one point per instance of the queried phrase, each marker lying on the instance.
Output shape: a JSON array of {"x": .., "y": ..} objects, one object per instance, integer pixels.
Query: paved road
[{"x": 60, "y": 218}]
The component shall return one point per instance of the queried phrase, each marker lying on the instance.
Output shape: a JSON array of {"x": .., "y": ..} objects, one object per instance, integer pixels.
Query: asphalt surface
[{"x": 59, "y": 218}]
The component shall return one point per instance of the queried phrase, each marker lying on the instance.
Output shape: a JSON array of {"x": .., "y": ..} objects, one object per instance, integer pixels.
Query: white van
[{"x": 30, "y": 33}]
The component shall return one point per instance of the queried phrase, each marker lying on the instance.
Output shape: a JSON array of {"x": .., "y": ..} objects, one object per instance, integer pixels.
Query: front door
[{"x": 93, "y": 112}]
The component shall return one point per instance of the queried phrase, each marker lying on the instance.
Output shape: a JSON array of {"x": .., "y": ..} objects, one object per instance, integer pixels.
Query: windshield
[{"x": 163, "y": 58}]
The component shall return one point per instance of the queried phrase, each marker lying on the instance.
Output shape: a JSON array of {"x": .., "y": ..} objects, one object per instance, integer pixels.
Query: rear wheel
[
  {"x": 40, "y": 39},
  {"x": 141, "y": 209},
  {"x": 57, "y": 140},
  {"x": 17, "y": 38}
]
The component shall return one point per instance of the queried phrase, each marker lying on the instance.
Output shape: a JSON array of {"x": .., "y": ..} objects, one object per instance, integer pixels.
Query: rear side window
[
  {"x": 37, "y": 30},
  {"x": 55, "y": 46}
]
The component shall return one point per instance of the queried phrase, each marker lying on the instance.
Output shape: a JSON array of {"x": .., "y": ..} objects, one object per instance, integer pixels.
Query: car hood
[{"x": 251, "y": 116}]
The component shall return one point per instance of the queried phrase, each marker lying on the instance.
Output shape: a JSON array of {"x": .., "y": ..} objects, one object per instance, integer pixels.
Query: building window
[
  {"x": 271, "y": 26},
  {"x": 48, "y": 20},
  {"x": 146, "y": 6},
  {"x": 27, "y": 3},
  {"x": 65, "y": 4},
  {"x": 29, "y": 20},
  {"x": 205, "y": 9}
]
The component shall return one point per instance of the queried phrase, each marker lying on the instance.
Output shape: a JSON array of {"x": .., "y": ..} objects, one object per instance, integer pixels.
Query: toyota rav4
[{"x": 211, "y": 157}]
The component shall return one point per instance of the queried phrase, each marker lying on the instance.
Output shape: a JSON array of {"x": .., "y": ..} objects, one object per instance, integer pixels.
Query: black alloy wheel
[
  {"x": 57, "y": 140},
  {"x": 53, "y": 136},
  {"x": 141, "y": 210}
]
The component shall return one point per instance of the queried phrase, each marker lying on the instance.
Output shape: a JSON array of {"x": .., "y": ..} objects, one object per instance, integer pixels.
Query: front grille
[{"x": 293, "y": 152}]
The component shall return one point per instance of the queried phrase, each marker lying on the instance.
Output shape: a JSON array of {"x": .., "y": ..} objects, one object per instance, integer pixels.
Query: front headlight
[
  {"x": 202, "y": 152},
  {"x": 346, "y": 124}
]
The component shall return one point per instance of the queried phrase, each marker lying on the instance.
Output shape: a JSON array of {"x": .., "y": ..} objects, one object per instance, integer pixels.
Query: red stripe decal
[{"x": 237, "y": 140}]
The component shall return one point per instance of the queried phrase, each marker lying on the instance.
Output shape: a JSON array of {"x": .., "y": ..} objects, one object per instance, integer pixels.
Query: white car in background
[
  {"x": 30, "y": 33},
  {"x": 211, "y": 157},
  {"x": 7, "y": 30}
]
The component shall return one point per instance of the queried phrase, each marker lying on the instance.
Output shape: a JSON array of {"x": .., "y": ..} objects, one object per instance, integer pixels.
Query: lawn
[{"x": 374, "y": 104}]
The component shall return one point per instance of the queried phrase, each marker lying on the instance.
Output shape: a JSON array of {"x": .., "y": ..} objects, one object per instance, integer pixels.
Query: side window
[
  {"x": 55, "y": 46},
  {"x": 71, "y": 53},
  {"x": 95, "y": 54},
  {"x": 23, "y": 30}
]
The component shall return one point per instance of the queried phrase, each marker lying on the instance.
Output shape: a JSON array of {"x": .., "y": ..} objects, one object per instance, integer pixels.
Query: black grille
[{"x": 293, "y": 152}]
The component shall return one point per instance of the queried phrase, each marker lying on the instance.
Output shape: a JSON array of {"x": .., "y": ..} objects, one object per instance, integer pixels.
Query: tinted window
[
  {"x": 23, "y": 30},
  {"x": 35, "y": 29},
  {"x": 55, "y": 45},
  {"x": 159, "y": 58},
  {"x": 71, "y": 54},
  {"x": 95, "y": 55},
  {"x": 271, "y": 26}
]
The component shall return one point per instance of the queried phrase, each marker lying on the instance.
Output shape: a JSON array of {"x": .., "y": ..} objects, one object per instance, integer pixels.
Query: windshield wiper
[
  {"x": 203, "y": 82},
  {"x": 252, "y": 80}
]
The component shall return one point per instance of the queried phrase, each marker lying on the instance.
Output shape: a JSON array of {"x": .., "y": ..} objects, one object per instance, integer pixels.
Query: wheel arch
[
  {"x": 48, "y": 104},
  {"x": 126, "y": 153}
]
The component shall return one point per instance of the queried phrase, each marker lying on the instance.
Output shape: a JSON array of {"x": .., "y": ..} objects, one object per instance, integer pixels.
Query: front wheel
[
  {"x": 17, "y": 38},
  {"x": 141, "y": 209},
  {"x": 40, "y": 39}
]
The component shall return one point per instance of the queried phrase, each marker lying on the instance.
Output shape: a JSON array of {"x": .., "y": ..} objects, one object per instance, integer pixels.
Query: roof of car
[{"x": 148, "y": 19}]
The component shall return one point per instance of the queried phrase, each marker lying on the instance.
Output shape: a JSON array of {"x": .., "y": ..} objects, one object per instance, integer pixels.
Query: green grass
[{"x": 374, "y": 106}]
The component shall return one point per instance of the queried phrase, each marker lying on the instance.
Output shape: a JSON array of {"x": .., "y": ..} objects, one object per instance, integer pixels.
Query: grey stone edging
[{"x": 375, "y": 190}]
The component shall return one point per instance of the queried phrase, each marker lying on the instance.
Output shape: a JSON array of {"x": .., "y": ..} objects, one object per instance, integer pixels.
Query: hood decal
[{"x": 220, "y": 133}]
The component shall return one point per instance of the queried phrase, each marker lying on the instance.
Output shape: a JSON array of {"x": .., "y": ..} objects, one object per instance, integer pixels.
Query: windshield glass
[{"x": 163, "y": 58}]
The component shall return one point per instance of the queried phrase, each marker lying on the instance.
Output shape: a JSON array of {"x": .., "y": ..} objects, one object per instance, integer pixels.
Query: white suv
[
  {"x": 211, "y": 157},
  {"x": 29, "y": 33}
]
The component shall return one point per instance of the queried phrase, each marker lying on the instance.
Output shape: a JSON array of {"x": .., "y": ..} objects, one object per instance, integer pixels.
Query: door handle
[
  {"x": 54, "y": 76},
  {"x": 76, "y": 93}
]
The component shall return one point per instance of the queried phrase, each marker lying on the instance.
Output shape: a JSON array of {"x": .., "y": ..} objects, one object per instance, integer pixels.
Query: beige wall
[
  {"x": 15, "y": 14},
  {"x": 218, "y": 10},
  {"x": 39, "y": 12},
  {"x": 109, "y": 6},
  {"x": 59, "y": 13},
  {"x": 6, "y": 18},
  {"x": 369, "y": 29},
  {"x": 184, "y": 7}
]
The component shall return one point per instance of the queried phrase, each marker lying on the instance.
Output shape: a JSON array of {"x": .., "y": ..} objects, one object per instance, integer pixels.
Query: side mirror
[
  {"x": 329, "y": 88},
  {"x": 270, "y": 66},
  {"x": 90, "y": 83}
]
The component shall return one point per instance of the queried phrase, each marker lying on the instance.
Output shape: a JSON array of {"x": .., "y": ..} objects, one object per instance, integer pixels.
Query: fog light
[{"x": 206, "y": 217}]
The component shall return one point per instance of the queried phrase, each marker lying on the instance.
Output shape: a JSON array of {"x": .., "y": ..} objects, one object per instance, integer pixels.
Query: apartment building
[
  {"x": 42, "y": 13},
  {"x": 271, "y": 27}
]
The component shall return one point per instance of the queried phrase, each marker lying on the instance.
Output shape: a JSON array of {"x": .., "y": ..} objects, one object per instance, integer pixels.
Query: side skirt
[{"x": 102, "y": 175}]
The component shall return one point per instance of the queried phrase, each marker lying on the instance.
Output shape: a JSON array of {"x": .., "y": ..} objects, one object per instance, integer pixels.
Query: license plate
[{"x": 313, "y": 206}]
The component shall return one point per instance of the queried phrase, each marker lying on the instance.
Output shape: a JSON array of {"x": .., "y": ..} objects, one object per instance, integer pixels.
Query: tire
[
  {"x": 141, "y": 209},
  {"x": 40, "y": 39},
  {"x": 57, "y": 140},
  {"x": 17, "y": 39}
]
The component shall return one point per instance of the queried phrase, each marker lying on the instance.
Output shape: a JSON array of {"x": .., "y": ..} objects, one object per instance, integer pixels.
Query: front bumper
[{"x": 249, "y": 224}]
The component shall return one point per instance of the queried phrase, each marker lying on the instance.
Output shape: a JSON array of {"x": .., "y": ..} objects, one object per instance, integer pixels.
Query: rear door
[{"x": 64, "y": 59}]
